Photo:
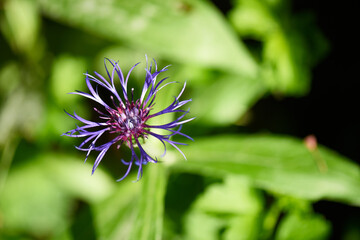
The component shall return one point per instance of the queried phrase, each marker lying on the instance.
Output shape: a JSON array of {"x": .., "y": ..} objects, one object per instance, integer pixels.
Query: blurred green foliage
[{"x": 232, "y": 186}]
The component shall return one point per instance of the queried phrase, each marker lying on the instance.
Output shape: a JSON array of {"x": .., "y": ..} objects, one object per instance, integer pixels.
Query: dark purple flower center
[{"x": 128, "y": 121}]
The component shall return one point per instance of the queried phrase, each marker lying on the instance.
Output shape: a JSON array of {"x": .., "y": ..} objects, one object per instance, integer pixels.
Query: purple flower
[{"x": 126, "y": 120}]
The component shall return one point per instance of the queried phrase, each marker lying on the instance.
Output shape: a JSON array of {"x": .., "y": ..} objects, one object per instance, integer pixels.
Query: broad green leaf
[
  {"x": 55, "y": 122},
  {"x": 11, "y": 70},
  {"x": 281, "y": 205},
  {"x": 32, "y": 204},
  {"x": 38, "y": 195},
  {"x": 21, "y": 25},
  {"x": 201, "y": 226},
  {"x": 243, "y": 227},
  {"x": 74, "y": 177},
  {"x": 226, "y": 100},
  {"x": 253, "y": 18},
  {"x": 278, "y": 164},
  {"x": 233, "y": 206},
  {"x": 21, "y": 112},
  {"x": 236, "y": 203},
  {"x": 145, "y": 24},
  {"x": 127, "y": 57},
  {"x": 286, "y": 67},
  {"x": 148, "y": 222},
  {"x": 292, "y": 44},
  {"x": 236, "y": 196},
  {"x": 67, "y": 76},
  {"x": 303, "y": 226}
]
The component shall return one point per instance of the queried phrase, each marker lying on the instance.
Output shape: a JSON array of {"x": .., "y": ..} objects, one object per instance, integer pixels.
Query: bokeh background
[{"x": 263, "y": 75}]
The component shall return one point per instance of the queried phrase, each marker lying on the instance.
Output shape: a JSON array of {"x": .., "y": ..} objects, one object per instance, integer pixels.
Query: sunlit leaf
[
  {"x": 236, "y": 196},
  {"x": 226, "y": 100},
  {"x": 22, "y": 24},
  {"x": 278, "y": 164},
  {"x": 31, "y": 203},
  {"x": 290, "y": 43},
  {"x": 243, "y": 227},
  {"x": 145, "y": 24},
  {"x": 10, "y": 71},
  {"x": 21, "y": 112},
  {"x": 253, "y": 18},
  {"x": 74, "y": 177},
  {"x": 201, "y": 226},
  {"x": 67, "y": 76},
  {"x": 239, "y": 205},
  {"x": 286, "y": 67},
  {"x": 303, "y": 226},
  {"x": 233, "y": 206}
]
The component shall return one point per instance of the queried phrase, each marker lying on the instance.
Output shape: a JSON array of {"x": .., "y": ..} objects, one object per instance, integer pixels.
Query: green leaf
[
  {"x": 201, "y": 226},
  {"x": 67, "y": 76},
  {"x": 236, "y": 203},
  {"x": 145, "y": 24},
  {"x": 286, "y": 68},
  {"x": 21, "y": 112},
  {"x": 233, "y": 206},
  {"x": 31, "y": 203},
  {"x": 11, "y": 70},
  {"x": 243, "y": 227},
  {"x": 292, "y": 44},
  {"x": 253, "y": 18},
  {"x": 38, "y": 195},
  {"x": 226, "y": 100},
  {"x": 303, "y": 226},
  {"x": 148, "y": 223},
  {"x": 21, "y": 25},
  {"x": 278, "y": 164},
  {"x": 236, "y": 196},
  {"x": 114, "y": 216},
  {"x": 135, "y": 209},
  {"x": 74, "y": 177}
]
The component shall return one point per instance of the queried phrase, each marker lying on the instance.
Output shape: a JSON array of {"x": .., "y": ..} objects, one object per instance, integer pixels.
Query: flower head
[{"x": 126, "y": 119}]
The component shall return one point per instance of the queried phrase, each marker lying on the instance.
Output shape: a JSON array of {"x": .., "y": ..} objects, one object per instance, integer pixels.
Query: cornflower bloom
[{"x": 126, "y": 120}]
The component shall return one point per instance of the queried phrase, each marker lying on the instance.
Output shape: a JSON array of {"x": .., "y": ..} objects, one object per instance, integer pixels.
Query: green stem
[{"x": 270, "y": 220}]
